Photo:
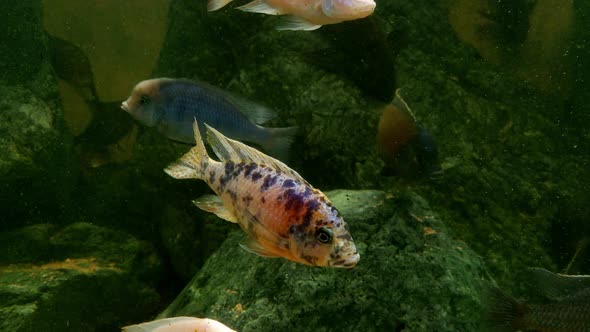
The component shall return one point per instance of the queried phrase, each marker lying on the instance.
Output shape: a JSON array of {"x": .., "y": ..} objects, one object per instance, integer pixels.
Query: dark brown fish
[
  {"x": 563, "y": 305},
  {"x": 403, "y": 144}
]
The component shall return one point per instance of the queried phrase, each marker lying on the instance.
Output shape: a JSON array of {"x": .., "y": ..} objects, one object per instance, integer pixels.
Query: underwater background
[{"x": 490, "y": 179}]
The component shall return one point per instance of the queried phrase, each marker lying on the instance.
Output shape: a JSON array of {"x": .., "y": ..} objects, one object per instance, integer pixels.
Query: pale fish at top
[
  {"x": 306, "y": 14},
  {"x": 171, "y": 105},
  {"x": 179, "y": 324},
  {"x": 283, "y": 215}
]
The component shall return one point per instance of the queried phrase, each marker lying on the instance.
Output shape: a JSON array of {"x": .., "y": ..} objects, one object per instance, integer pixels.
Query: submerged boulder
[
  {"x": 35, "y": 160},
  {"x": 36, "y": 156},
  {"x": 28, "y": 130},
  {"x": 79, "y": 278},
  {"x": 411, "y": 275}
]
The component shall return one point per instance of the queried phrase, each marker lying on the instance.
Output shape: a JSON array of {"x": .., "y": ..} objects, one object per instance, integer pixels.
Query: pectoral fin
[
  {"x": 256, "y": 230},
  {"x": 255, "y": 248},
  {"x": 213, "y": 204},
  {"x": 296, "y": 23}
]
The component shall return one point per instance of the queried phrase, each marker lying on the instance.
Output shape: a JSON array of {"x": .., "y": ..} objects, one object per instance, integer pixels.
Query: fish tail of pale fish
[
  {"x": 191, "y": 165},
  {"x": 278, "y": 141},
  {"x": 213, "y": 5}
]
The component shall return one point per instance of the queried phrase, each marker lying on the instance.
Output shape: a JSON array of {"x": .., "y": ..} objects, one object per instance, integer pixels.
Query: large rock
[
  {"x": 411, "y": 276},
  {"x": 35, "y": 171},
  {"x": 78, "y": 278},
  {"x": 28, "y": 131}
]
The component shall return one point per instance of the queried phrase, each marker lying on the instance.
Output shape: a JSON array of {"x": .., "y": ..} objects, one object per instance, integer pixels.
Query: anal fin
[
  {"x": 213, "y": 204},
  {"x": 217, "y": 4},
  {"x": 296, "y": 23}
]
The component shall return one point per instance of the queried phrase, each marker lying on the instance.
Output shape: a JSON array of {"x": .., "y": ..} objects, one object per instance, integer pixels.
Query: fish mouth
[
  {"x": 124, "y": 106},
  {"x": 347, "y": 263}
]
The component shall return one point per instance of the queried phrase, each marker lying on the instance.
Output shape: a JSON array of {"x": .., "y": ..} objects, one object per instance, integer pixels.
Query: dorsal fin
[
  {"x": 399, "y": 102},
  {"x": 556, "y": 286},
  {"x": 231, "y": 150}
]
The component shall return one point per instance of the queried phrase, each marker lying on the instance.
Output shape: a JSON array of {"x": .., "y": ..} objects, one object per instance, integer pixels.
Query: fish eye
[
  {"x": 324, "y": 235},
  {"x": 143, "y": 99}
]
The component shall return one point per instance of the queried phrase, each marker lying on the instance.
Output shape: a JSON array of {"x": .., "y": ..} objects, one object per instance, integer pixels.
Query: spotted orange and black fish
[{"x": 283, "y": 215}]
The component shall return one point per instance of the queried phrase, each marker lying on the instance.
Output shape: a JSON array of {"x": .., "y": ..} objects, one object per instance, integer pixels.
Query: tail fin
[
  {"x": 503, "y": 313},
  {"x": 279, "y": 142},
  {"x": 190, "y": 166}
]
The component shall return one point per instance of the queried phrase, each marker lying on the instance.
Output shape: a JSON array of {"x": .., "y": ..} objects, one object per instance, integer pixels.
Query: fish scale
[
  {"x": 562, "y": 305},
  {"x": 171, "y": 106},
  {"x": 279, "y": 203},
  {"x": 281, "y": 209},
  {"x": 305, "y": 14},
  {"x": 283, "y": 215}
]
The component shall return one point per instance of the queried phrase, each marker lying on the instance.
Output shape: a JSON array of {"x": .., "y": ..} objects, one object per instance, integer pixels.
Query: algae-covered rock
[
  {"x": 35, "y": 162},
  {"x": 79, "y": 278},
  {"x": 190, "y": 236},
  {"x": 411, "y": 276},
  {"x": 23, "y": 41},
  {"x": 28, "y": 131}
]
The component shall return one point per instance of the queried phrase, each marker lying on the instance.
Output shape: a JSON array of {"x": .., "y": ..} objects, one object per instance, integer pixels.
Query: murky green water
[{"x": 451, "y": 137}]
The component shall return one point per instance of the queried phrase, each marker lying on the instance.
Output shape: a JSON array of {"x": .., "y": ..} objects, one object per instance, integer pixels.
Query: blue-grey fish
[{"x": 171, "y": 105}]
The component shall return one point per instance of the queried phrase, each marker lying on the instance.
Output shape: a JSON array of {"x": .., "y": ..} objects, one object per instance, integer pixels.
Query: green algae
[{"x": 407, "y": 278}]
